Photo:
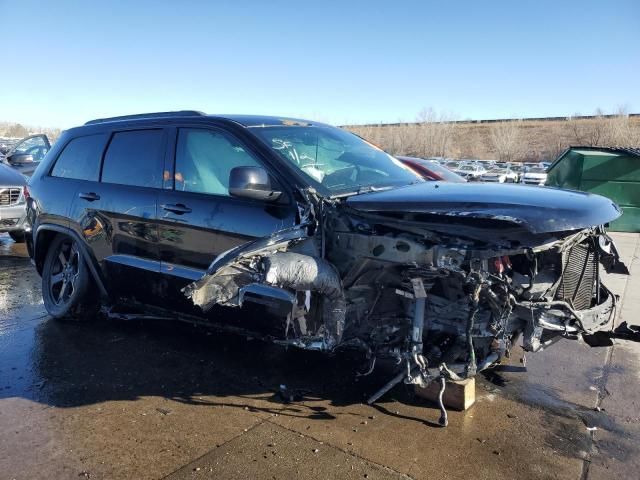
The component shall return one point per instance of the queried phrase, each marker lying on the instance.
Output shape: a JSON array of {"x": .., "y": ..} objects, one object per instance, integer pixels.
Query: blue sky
[{"x": 344, "y": 61}]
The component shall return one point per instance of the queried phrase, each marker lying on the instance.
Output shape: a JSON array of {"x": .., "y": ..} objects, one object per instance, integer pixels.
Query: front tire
[{"x": 66, "y": 284}]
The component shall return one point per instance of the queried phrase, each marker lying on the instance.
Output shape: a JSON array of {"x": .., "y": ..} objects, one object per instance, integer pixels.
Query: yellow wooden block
[{"x": 457, "y": 396}]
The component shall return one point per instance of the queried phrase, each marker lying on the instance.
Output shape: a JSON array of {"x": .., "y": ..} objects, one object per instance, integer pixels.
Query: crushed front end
[{"x": 445, "y": 295}]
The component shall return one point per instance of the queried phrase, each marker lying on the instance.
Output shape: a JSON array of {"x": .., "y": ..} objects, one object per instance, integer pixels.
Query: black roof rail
[{"x": 179, "y": 113}]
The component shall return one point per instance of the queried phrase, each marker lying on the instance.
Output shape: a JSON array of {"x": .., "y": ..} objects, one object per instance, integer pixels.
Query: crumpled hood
[{"x": 538, "y": 209}]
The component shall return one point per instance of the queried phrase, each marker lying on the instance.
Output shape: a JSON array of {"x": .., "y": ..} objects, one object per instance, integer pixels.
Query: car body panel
[
  {"x": 121, "y": 228},
  {"x": 12, "y": 201},
  {"x": 539, "y": 210},
  {"x": 10, "y": 176},
  {"x": 12, "y": 218},
  {"x": 188, "y": 242}
]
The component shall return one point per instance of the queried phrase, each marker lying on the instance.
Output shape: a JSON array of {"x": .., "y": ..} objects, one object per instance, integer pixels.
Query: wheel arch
[{"x": 43, "y": 238}]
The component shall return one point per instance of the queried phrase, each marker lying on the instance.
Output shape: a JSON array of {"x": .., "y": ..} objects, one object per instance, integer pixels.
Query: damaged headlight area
[{"x": 441, "y": 305}]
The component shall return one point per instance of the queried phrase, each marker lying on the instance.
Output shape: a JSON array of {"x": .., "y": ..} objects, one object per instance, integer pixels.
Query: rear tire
[
  {"x": 66, "y": 282},
  {"x": 17, "y": 236}
]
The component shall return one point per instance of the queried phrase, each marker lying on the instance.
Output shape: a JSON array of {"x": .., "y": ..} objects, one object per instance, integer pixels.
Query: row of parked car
[
  {"x": 478, "y": 170},
  {"x": 500, "y": 172}
]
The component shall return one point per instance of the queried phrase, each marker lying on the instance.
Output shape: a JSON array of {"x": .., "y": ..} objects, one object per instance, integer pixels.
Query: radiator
[{"x": 579, "y": 276}]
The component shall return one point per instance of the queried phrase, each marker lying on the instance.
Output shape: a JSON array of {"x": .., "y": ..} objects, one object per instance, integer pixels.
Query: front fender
[{"x": 90, "y": 261}]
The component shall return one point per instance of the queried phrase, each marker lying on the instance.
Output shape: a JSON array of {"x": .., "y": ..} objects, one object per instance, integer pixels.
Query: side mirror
[
  {"x": 252, "y": 182},
  {"x": 18, "y": 158}
]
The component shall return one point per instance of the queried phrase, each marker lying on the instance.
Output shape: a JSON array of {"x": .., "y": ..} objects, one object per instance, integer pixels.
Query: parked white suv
[
  {"x": 534, "y": 176},
  {"x": 470, "y": 172},
  {"x": 500, "y": 175}
]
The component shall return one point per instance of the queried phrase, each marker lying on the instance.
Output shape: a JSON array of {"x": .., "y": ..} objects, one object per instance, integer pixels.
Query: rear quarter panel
[{"x": 50, "y": 198}]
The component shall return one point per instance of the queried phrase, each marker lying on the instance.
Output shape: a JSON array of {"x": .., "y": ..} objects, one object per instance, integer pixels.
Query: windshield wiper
[
  {"x": 373, "y": 188},
  {"x": 363, "y": 189}
]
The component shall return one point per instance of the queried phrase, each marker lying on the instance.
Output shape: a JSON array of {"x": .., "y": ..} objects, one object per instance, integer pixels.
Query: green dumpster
[{"x": 610, "y": 171}]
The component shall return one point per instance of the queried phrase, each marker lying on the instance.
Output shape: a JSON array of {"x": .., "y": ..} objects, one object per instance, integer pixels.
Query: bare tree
[
  {"x": 574, "y": 125},
  {"x": 597, "y": 129},
  {"x": 620, "y": 131},
  {"x": 435, "y": 132},
  {"x": 554, "y": 141},
  {"x": 589, "y": 131},
  {"x": 402, "y": 139},
  {"x": 17, "y": 130},
  {"x": 506, "y": 140}
]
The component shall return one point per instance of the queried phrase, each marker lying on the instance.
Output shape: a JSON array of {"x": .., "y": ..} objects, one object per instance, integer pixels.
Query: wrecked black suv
[{"x": 324, "y": 241}]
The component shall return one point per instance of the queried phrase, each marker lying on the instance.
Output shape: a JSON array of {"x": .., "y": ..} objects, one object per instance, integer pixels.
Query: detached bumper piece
[{"x": 551, "y": 321}]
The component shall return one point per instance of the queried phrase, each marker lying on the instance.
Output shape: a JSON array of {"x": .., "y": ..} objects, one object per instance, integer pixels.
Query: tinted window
[
  {"x": 204, "y": 159},
  {"x": 134, "y": 158},
  {"x": 80, "y": 159}
]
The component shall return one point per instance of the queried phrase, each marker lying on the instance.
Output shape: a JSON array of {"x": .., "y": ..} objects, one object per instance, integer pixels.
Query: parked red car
[{"x": 430, "y": 169}]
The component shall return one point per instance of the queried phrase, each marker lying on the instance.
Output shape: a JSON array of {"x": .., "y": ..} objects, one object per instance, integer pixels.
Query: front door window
[{"x": 204, "y": 160}]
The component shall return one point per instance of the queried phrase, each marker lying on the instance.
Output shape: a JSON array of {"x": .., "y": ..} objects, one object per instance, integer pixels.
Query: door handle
[
  {"x": 90, "y": 196},
  {"x": 177, "y": 208}
]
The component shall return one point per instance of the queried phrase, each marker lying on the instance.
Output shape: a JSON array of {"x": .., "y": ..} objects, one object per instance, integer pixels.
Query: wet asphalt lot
[{"x": 113, "y": 399}]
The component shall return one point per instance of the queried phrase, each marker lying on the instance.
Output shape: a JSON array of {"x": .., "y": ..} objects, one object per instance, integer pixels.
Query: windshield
[
  {"x": 467, "y": 167},
  {"x": 338, "y": 160},
  {"x": 537, "y": 170}
]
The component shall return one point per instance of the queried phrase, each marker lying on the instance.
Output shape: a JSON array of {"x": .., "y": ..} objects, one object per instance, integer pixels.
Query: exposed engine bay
[{"x": 446, "y": 297}]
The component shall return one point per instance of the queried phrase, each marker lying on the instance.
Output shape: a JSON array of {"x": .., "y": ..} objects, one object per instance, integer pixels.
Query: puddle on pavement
[
  {"x": 19, "y": 286},
  {"x": 69, "y": 364}
]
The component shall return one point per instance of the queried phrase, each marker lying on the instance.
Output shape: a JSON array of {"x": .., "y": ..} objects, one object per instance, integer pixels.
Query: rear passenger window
[
  {"x": 80, "y": 159},
  {"x": 134, "y": 158}
]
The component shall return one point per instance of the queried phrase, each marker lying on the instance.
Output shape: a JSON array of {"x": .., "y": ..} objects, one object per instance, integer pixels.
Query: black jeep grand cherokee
[{"x": 324, "y": 240}]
